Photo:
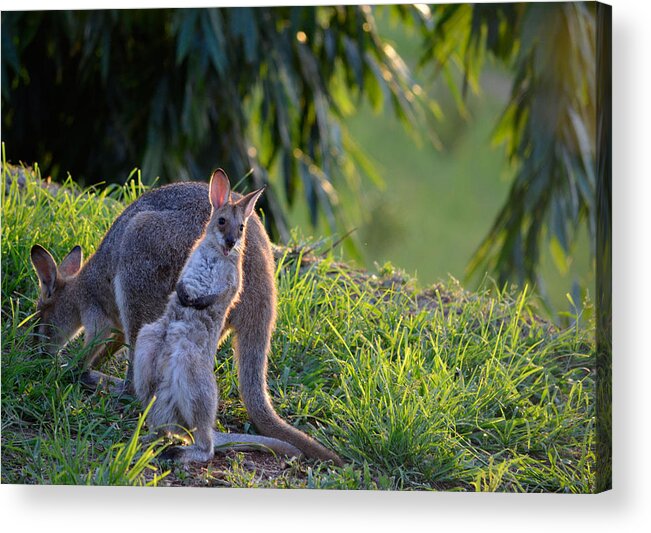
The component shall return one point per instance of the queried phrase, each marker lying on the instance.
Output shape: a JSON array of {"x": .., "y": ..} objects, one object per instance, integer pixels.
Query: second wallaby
[{"x": 173, "y": 359}]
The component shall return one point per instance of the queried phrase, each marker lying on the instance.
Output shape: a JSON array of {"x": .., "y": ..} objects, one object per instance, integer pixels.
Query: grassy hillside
[{"x": 434, "y": 388}]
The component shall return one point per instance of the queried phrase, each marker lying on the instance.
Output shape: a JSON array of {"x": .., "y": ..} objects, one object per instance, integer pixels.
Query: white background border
[{"x": 625, "y": 508}]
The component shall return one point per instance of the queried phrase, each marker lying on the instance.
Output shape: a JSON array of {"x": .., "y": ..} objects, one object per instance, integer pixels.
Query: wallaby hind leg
[
  {"x": 200, "y": 451},
  {"x": 145, "y": 371}
]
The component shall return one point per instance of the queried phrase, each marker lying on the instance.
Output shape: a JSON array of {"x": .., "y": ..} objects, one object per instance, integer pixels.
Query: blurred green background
[
  {"x": 435, "y": 206},
  {"x": 482, "y": 153}
]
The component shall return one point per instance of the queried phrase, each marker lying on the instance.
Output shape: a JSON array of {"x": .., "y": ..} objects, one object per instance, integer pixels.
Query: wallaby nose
[{"x": 230, "y": 242}]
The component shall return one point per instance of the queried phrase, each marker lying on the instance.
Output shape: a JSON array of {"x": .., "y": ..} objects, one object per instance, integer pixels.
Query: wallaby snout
[{"x": 229, "y": 242}]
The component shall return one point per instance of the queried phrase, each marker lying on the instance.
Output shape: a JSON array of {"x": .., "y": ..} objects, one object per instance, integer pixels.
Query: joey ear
[
  {"x": 249, "y": 201},
  {"x": 46, "y": 269},
  {"x": 72, "y": 262},
  {"x": 220, "y": 188}
]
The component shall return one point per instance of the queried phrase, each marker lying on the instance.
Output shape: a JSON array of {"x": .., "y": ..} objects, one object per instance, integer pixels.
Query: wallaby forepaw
[
  {"x": 93, "y": 379},
  {"x": 121, "y": 389}
]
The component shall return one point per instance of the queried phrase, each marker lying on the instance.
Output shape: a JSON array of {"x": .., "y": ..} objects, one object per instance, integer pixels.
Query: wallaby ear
[
  {"x": 249, "y": 201},
  {"x": 220, "y": 188},
  {"x": 72, "y": 262},
  {"x": 46, "y": 269}
]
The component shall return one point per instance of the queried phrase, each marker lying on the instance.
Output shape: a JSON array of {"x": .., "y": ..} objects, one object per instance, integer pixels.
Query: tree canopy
[{"x": 174, "y": 91}]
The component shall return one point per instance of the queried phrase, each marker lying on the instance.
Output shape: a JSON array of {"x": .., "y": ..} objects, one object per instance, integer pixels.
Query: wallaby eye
[
  {"x": 221, "y": 221},
  {"x": 241, "y": 227}
]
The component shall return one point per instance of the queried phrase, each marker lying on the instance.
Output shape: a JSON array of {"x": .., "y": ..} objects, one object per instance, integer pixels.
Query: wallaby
[
  {"x": 126, "y": 282},
  {"x": 173, "y": 360}
]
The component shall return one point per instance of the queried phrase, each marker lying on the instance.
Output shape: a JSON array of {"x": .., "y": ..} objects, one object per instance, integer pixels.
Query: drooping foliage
[
  {"x": 548, "y": 127},
  {"x": 174, "y": 91}
]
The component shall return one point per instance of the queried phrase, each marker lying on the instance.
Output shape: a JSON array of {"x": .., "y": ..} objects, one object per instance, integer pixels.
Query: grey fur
[
  {"x": 126, "y": 282},
  {"x": 173, "y": 359}
]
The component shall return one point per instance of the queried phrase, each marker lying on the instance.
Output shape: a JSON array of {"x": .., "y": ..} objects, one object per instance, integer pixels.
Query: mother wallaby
[{"x": 126, "y": 282}]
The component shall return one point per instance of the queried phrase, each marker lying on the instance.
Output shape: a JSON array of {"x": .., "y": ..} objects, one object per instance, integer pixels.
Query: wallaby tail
[
  {"x": 244, "y": 442},
  {"x": 251, "y": 346}
]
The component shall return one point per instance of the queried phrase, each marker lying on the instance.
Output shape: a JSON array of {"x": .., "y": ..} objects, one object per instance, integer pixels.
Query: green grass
[{"x": 434, "y": 388}]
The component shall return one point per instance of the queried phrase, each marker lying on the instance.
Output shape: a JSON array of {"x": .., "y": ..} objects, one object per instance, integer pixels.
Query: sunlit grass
[{"x": 438, "y": 389}]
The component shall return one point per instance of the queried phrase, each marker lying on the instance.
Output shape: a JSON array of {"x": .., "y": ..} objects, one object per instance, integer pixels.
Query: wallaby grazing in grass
[
  {"x": 126, "y": 282},
  {"x": 173, "y": 360}
]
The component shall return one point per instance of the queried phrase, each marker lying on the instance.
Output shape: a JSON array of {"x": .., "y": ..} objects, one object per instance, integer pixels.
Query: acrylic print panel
[{"x": 435, "y": 310}]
